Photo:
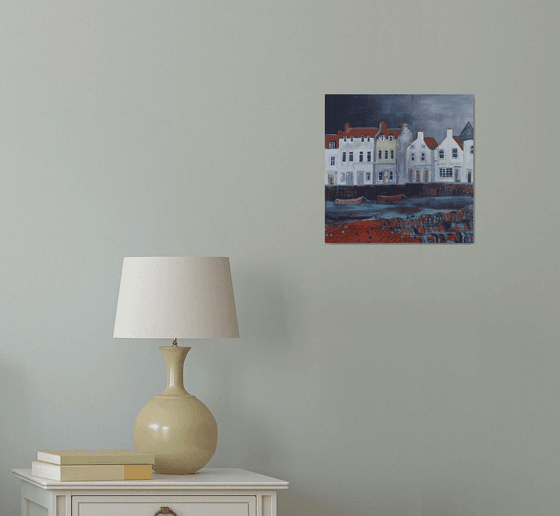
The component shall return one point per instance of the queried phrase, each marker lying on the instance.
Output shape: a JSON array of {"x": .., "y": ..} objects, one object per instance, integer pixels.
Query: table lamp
[{"x": 174, "y": 298}]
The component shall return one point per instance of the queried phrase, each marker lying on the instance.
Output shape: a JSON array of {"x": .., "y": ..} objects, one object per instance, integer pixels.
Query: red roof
[
  {"x": 331, "y": 138},
  {"x": 357, "y": 132},
  {"x": 459, "y": 141},
  {"x": 431, "y": 142}
]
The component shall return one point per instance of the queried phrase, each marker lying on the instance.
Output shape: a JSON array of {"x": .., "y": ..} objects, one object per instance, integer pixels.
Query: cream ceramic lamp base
[{"x": 175, "y": 426}]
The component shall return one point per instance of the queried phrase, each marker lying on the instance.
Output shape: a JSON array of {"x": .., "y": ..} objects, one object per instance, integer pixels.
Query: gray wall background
[{"x": 385, "y": 380}]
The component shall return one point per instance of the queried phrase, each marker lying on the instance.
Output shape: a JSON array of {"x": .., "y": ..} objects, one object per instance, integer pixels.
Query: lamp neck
[{"x": 175, "y": 359}]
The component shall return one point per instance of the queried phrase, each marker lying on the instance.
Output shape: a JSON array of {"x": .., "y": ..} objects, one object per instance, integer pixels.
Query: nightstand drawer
[{"x": 144, "y": 505}]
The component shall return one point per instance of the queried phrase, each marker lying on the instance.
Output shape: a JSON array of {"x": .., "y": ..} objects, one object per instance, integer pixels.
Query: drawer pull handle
[{"x": 165, "y": 510}]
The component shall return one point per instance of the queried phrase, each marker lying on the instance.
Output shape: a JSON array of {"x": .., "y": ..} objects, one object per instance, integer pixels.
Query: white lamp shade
[{"x": 167, "y": 298}]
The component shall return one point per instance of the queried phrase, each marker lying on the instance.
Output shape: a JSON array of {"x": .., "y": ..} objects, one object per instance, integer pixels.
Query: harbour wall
[{"x": 410, "y": 190}]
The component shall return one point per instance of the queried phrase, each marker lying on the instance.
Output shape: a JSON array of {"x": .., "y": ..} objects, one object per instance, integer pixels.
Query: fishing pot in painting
[{"x": 399, "y": 169}]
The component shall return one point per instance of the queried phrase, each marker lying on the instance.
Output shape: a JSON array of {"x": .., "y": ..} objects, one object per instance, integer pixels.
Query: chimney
[
  {"x": 449, "y": 133},
  {"x": 346, "y": 127},
  {"x": 421, "y": 135}
]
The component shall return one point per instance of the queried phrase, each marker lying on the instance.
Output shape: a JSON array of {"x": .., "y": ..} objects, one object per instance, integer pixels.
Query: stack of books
[{"x": 85, "y": 465}]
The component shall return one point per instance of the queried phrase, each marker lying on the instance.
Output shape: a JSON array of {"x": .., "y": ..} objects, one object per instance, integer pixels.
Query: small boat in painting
[
  {"x": 389, "y": 197},
  {"x": 350, "y": 201}
]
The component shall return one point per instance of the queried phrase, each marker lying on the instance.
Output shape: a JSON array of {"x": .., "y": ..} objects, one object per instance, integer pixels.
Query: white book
[{"x": 77, "y": 457}]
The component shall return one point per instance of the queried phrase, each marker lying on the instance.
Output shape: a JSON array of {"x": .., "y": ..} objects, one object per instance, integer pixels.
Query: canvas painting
[{"x": 399, "y": 169}]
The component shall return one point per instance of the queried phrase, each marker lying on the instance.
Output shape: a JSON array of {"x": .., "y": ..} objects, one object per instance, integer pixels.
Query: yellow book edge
[{"x": 92, "y": 472}]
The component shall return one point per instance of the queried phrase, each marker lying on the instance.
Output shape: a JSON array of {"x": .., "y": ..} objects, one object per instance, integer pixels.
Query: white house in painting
[
  {"x": 404, "y": 139},
  {"x": 449, "y": 160},
  {"x": 356, "y": 151},
  {"x": 331, "y": 159},
  {"x": 349, "y": 157},
  {"x": 360, "y": 156},
  {"x": 420, "y": 160},
  {"x": 468, "y": 152},
  {"x": 386, "y": 151}
]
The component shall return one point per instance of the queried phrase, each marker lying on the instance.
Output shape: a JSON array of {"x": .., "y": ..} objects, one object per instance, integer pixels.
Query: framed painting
[{"x": 399, "y": 169}]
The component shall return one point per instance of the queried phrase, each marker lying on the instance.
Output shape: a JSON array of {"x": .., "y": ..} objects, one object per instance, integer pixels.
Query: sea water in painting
[{"x": 399, "y": 169}]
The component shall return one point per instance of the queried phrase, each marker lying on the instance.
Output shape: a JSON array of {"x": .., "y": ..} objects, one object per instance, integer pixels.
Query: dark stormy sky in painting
[{"x": 431, "y": 113}]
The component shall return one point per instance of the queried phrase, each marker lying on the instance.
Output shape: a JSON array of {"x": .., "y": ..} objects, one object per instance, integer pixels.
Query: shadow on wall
[
  {"x": 306, "y": 497},
  {"x": 264, "y": 308},
  {"x": 15, "y": 434},
  {"x": 245, "y": 370}
]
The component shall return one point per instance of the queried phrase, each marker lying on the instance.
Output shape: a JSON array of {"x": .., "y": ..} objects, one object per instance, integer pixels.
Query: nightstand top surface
[{"x": 205, "y": 479}]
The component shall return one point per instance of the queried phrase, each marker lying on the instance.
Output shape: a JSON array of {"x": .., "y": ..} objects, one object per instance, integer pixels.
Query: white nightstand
[{"x": 210, "y": 492}]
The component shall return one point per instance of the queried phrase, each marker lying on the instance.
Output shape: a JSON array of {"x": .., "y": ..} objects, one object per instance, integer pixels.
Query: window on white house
[
  {"x": 386, "y": 154},
  {"x": 391, "y": 138},
  {"x": 351, "y": 138},
  {"x": 472, "y": 149},
  {"x": 423, "y": 156},
  {"x": 350, "y": 156},
  {"x": 332, "y": 145},
  {"x": 392, "y": 154},
  {"x": 382, "y": 137},
  {"x": 391, "y": 175},
  {"x": 344, "y": 156},
  {"x": 455, "y": 153},
  {"x": 445, "y": 172},
  {"x": 333, "y": 159},
  {"x": 380, "y": 176},
  {"x": 368, "y": 176},
  {"x": 369, "y": 156},
  {"x": 441, "y": 154},
  {"x": 362, "y": 137},
  {"x": 361, "y": 156},
  {"x": 345, "y": 138},
  {"x": 412, "y": 156},
  {"x": 368, "y": 138},
  {"x": 379, "y": 155}
]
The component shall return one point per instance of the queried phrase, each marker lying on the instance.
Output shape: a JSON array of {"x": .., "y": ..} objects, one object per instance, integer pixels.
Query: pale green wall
[{"x": 384, "y": 380}]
